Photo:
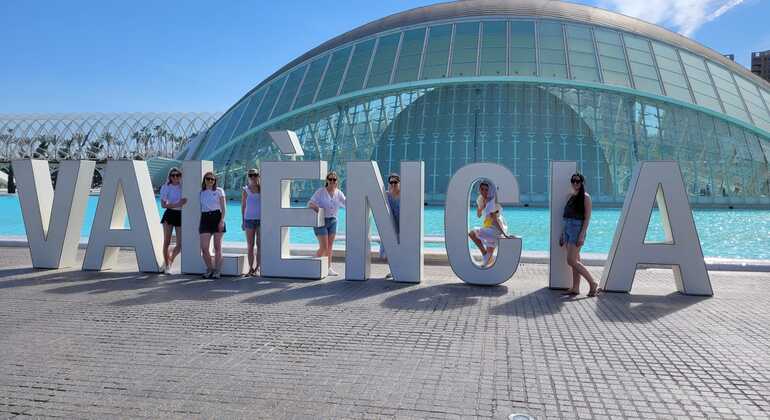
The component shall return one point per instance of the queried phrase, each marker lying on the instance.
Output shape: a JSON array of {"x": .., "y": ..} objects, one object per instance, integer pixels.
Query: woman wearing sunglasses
[
  {"x": 394, "y": 202},
  {"x": 251, "y": 211},
  {"x": 212, "y": 223},
  {"x": 493, "y": 226},
  {"x": 577, "y": 215},
  {"x": 330, "y": 198},
  {"x": 171, "y": 200}
]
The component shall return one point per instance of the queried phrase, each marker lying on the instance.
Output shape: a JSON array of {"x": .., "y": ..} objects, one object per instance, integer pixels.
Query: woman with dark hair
[
  {"x": 330, "y": 199},
  {"x": 577, "y": 215},
  {"x": 212, "y": 223},
  {"x": 171, "y": 200},
  {"x": 251, "y": 212},
  {"x": 493, "y": 227},
  {"x": 393, "y": 197}
]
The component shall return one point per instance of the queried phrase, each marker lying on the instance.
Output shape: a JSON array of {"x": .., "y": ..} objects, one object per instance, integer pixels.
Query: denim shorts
[
  {"x": 571, "y": 230},
  {"x": 329, "y": 227},
  {"x": 251, "y": 224}
]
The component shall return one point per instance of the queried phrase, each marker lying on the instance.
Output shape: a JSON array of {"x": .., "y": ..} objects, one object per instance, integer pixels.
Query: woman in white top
[
  {"x": 493, "y": 227},
  {"x": 251, "y": 213},
  {"x": 330, "y": 198},
  {"x": 171, "y": 200},
  {"x": 212, "y": 223}
]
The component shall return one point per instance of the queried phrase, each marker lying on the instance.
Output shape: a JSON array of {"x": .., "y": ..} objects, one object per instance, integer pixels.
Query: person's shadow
[
  {"x": 442, "y": 297},
  {"x": 541, "y": 302},
  {"x": 632, "y": 308},
  {"x": 325, "y": 293}
]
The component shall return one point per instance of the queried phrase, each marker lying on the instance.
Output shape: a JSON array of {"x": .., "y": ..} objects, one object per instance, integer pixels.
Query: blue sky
[{"x": 192, "y": 55}]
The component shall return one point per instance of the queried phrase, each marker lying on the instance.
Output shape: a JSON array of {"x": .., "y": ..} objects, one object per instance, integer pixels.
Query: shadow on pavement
[
  {"x": 325, "y": 293},
  {"x": 539, "y": 303},
  {"x": 630, "y": 308},
  {"x": 442, "y": 297},
  {"x": 39, "y": 276}
]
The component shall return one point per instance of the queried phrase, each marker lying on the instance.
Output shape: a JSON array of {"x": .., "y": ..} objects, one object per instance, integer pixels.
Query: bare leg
[
  {"x": 329, "y": 247},
  {"x": 573, "y": 259},
  {"x": 205, "y": 243},
  {"x": 477, "y": 241},
  {"x": 167, "y": 228},
  {"x": 218, "y": 251},
  {"x": 250, "y": 248},
  {"x": 259, "y": 253},
  {"x": 177, "y": 245},
  {"x": 321, "y": 246}
]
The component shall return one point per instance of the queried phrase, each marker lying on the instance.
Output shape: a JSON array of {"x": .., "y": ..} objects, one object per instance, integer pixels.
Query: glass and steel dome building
[{"x": 517, "y": 82}]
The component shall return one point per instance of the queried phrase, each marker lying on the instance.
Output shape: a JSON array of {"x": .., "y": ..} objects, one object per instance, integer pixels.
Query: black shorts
[
  {"x": 210, "y": 222},
  {"x": 173, "y": 217}
]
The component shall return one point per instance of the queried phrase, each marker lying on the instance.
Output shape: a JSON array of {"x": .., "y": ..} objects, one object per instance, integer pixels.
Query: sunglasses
[
  {"x": 576, "y": 181},
  {"x": 331, "y": 179},
  {"x": 253, "y": 175},
  {"x": 210, "y": 179},
  {"x": 177, "y": 175},
  {"x": 393, "y": 182}
]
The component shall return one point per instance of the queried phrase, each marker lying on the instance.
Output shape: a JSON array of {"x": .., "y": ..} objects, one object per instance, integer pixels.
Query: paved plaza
[{"x": 122, "y": 344}]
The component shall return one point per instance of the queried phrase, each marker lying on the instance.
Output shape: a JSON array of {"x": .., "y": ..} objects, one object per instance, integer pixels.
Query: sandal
[{"x": 594, "y": 290}]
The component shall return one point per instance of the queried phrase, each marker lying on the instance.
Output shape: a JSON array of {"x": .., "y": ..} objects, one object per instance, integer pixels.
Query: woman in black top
[{"x": 577, "y": 215}]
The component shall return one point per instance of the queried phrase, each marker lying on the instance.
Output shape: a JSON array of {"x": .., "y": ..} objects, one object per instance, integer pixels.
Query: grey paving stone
[{"x": 122, "y": 344}]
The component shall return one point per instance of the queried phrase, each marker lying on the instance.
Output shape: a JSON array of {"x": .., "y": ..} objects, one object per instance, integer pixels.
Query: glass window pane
[
  {"x": 754, "y": 102},
  {"x": 493, "y": 49},
  {"x": 553, "y": 60},
  {"x": 671, "y": 72},
  {"x": 383, "y": 60},
  {"x": 248, "y": 114},
  {"x": 331, "y": 82},
  {"x": 523, "y": 57},
  {"x": 465, "y": 49},
  {"x": 642, "y": 64},
  {"x": 289, "y": 91},
  {"x": 700, "y": 82},
  {"x": 612, "y": 56},
  {"x": 437, "y": 54},
  {"x": 728, "y": 92},
  {"x": 309, "y": 86},
  {"x": 268, "y": 102},
  {"x": 359, "y": 64},
  {"x": 409, "y": 57}
]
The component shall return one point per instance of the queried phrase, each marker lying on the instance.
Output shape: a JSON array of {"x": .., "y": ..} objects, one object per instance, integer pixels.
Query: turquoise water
[{"x": 723, "y": 233}]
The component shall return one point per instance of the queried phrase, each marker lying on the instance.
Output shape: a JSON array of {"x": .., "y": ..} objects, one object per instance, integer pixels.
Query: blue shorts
[
  {"x": 571, "y": 230},
  {"x": 251, "y": 224},
  {"x": 329, "y": 227}
]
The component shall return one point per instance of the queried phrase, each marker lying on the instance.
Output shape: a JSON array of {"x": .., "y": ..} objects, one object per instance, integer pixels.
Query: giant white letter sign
[
  {"x": 53, "y": 219},
  {"x": 559, "y": 272},
  {"x": 127, "y": 186},
  {"x": 365, "y": 194},
  {"x": 661, "y": 181},
  {"x": 456, "y": 225},
  {"x": 277, "y": 216}
]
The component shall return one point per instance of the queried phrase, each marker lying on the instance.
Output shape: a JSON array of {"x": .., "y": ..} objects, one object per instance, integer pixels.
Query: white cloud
[{"x": 684, "y": 16}]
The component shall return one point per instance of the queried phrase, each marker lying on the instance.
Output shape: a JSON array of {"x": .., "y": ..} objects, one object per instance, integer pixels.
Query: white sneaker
[
  {"x": 484, "y": 259},
  {"x": 388, "y": 276},
  {"x": 167, "y": 270},
  {"x": 332, "y": 272}
]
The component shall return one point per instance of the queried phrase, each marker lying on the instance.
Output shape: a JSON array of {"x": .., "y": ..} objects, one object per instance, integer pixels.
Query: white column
[
  {"x": 53, "y": 219},
  {"x": 456, "y": 225},
  {"x": 366, "y": 194},
  {"x": 659, "y": 181},
  {"x": 126, "y": 191},
  {"x": 559, "y": 272}
]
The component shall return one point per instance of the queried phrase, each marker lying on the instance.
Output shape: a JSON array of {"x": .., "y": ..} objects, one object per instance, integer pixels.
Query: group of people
[{"x": 330, "y": 198}]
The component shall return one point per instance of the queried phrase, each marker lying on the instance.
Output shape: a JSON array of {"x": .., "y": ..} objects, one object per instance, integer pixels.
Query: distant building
[
  {"x": 760, "y": 64},
  {"x": 730, "y": 57}
]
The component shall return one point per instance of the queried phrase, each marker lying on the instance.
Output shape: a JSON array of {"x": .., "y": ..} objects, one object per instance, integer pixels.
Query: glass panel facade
[
  {"x": 642, "y": 64},
  {"x": 700, "y": 81},
  {"x": 268, "y": 102},
  {"x": 410, "y": 55},
  {"x": 671, "y": 72},
  {"x": 493, "y": 49},
  {"x": 437, "y": 53},
  {"x": 334, "y": 72},
  {"x": 613, "y": 57},
  {"x": 523, "y": 126},
  {"x": 359, "y": 64},
  {"x": 310, "y": 85},
  {"x": 754, "y": 102},
  {"x": 465, "y": 49},
  {"x": 290, "y": 90},
  {"x": 728, "y": 92},
  {"x": 248, "y": 114},
  {"x": 582, "y": 53},
  {"x": 382, "y": 66},
  {"x": 553, "y": 61},
  {"x": 523, "y": 56}
]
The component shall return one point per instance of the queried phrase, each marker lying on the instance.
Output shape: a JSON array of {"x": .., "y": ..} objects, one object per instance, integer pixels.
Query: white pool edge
[{"x": 439, "y": 257}]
